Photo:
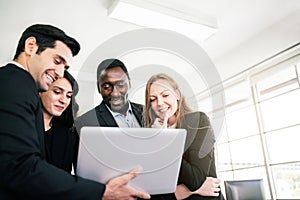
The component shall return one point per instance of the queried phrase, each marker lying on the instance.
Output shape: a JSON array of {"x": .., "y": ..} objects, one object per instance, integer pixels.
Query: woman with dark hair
[
  {"x": 59, "y": 107},
  {"x": 166, "y": 107}
]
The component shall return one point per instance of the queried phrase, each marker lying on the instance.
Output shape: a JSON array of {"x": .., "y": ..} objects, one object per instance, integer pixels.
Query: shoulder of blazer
[
  {"x": 87, "y": 119},
  {"x": 196, "y": 120},
  {"x": 104, "y": 116},
  {"x": 137, "y": 107},
  {"x": 102, "y": 107},
  {"x": 196, "y": 114},
  {"x": 138, "y": 110},
  {"x": 25, "y": 82}
]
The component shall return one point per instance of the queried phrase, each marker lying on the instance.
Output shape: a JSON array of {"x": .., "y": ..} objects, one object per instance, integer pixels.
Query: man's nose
[
  {"x": 59, "y": 71},
  {"x": 115, "y": 91}
]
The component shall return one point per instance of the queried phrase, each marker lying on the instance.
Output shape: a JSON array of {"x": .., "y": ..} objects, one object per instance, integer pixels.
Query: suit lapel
[
  {"x": 105, "y": 118},
  {"x": 138, "y": 112}
]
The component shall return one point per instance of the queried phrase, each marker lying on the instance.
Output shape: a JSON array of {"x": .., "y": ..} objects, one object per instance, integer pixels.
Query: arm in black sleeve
[
  {"x": 24, "y": 174},
  {"x": 198, "y": 160}
]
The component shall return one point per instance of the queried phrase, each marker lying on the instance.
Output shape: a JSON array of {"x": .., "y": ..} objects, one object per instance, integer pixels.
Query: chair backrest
[{"x": 245, "y": 190}]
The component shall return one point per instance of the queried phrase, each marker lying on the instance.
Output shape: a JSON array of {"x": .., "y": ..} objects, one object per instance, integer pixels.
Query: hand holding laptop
[{"x": 118, "y": 188}]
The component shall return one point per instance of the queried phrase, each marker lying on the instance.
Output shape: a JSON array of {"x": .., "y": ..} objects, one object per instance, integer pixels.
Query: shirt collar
[
  {"x": 129, "y": 110},
  {"x": 17, "y": 64}
]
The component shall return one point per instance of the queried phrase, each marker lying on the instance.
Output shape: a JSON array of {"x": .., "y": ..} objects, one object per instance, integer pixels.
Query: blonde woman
[{"x": 166, "y": 107}]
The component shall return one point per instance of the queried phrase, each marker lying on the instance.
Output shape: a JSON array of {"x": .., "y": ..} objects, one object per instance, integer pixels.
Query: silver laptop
[{"x": 107, "y": 152}]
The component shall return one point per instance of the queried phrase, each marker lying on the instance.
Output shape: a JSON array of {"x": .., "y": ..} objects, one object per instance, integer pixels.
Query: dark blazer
[
  {"x": 24, "y": 173},
  {"x": 101, "y": 116},
  {"x": 198, "y": 161}
]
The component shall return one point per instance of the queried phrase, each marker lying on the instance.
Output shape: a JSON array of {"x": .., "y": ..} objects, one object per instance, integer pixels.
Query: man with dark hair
[
  {"x": 115, "y": 110},
  {"x": 46, "y": 36},
  {"x": 43, "y": 54}
]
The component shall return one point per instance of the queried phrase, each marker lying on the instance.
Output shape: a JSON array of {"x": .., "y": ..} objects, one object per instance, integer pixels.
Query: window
[
  {"x": 287, "y": 180},
  {"x": 283, "y": 145},
  {"x": 281, "y": 111},
  {"x": 261, "y": 132},
  {"x": 246, "y": 152}
]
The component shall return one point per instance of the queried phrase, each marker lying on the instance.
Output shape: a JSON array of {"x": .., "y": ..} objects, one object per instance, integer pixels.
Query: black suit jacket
[
  {"x": 198, "y": 161},
  {"x": 101, "y": 116},
  {"x": 24, "y": 173}
]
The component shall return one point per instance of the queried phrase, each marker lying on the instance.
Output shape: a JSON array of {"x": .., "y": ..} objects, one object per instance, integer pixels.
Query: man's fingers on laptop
[
  {"x": 132, "y": 174},
  {"x": 140, "y": 194},
  {"x": 124, "y": 179},
  {"x": 137, "y": 170},
  {"x": 136, "y": 193}
]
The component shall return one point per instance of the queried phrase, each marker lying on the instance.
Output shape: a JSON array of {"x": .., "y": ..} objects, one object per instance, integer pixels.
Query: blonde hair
[{"x": 183, "y": 107}]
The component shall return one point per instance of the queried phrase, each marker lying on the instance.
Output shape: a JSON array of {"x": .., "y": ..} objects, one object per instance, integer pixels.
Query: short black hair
[
  {"x": 107, "y": 64},
  {"x": 46, "y": 36}
]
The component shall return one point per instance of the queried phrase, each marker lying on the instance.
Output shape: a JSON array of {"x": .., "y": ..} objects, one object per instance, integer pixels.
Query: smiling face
[
  {"x": 114, "y": 85},
  {"x": 57, "y": 98},
  {"x": 48, "y": 65},
  {"x": 163, "y": 99}
]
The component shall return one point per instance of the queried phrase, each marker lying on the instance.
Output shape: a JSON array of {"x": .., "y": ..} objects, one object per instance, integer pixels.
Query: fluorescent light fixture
[{"x": 151, "y": 15}]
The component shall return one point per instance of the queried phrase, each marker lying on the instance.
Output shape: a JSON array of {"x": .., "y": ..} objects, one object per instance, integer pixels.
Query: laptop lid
[{"x": 107, "y": 152}]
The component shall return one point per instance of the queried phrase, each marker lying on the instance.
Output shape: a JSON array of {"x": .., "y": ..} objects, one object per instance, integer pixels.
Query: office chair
[{"x": 245, "y": 190}]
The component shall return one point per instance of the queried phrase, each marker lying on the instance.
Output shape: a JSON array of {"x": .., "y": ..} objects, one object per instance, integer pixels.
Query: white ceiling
[{"x": 238, "y": 21}]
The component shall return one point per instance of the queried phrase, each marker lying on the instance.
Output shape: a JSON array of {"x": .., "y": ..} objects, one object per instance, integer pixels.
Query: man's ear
[
  {"x": 99, "y": 87},
  {"x": 30, "y": 46}
]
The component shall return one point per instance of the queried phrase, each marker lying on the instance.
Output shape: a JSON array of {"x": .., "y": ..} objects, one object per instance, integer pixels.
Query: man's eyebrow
[
  {"x": 107, "y": 82},
  {"x": 60, "y": 57},
  {"x": 63, "y": 60},
  {"x": 114, "y": 82}
]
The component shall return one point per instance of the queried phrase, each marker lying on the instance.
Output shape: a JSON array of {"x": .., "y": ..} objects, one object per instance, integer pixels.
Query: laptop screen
[{"x": 107, "y": 152}]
